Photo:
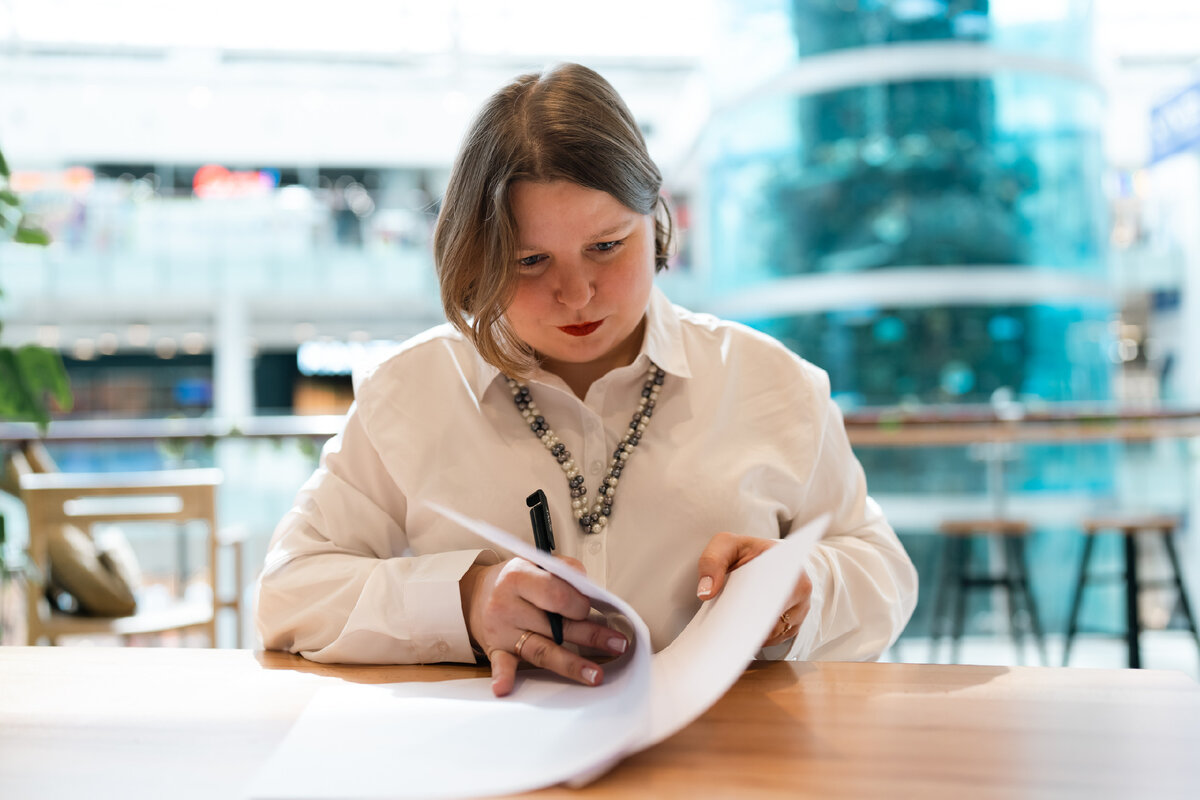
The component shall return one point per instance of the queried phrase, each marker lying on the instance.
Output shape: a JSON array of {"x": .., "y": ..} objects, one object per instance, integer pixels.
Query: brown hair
[{"x": 567, "y": 123}]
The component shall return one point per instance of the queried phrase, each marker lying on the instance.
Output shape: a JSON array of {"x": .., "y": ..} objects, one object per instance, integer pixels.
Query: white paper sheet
[{"x": 454, "y": 739}]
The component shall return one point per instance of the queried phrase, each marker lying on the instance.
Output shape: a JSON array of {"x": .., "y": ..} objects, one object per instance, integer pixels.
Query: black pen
[{"x": 543, "y": 537}]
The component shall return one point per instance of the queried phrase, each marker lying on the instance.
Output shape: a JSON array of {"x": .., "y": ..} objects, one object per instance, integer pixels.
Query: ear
[{"x": 664, "y": 233}]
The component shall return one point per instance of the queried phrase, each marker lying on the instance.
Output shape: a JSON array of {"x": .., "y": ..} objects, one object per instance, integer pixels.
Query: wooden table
[{"x": 181, "y": 723}]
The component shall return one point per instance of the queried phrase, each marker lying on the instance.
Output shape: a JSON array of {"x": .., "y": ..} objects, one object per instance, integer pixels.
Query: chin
[{"x": 577, "y": 355}]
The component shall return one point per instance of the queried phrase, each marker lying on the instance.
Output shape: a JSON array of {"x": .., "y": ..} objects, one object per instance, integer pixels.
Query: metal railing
[{"x": 885, "y": 427}]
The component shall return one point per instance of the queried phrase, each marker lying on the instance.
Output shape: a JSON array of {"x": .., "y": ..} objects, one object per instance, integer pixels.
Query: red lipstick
[{"x": 581, "y": 330}]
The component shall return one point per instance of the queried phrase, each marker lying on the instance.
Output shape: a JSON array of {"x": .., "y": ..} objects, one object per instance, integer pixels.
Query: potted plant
[{"x": 29, "y": 375}]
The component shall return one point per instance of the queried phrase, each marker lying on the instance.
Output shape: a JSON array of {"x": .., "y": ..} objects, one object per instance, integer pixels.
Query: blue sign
[{"x": 1175, "y": 124}]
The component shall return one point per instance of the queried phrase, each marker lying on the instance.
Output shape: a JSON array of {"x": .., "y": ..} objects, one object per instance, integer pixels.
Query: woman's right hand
[{"x": 505, "y": 607}]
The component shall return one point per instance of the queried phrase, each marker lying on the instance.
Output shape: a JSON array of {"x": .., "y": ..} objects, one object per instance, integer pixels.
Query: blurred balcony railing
[
  {"x": 874, "y": 427},
  {"x": 209, "y": 273},
  {"x": 1051, "y": 466}
]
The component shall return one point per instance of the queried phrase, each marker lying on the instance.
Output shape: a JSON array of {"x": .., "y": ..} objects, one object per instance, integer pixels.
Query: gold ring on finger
[
  {"x": 521, "y": 643},
  {"x": 785, "y": 619}
]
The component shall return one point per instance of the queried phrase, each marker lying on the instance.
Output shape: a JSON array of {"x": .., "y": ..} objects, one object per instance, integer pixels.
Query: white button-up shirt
[{"x": 744, "y": 438}]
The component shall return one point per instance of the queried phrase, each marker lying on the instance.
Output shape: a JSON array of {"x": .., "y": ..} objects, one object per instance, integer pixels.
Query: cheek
[
  {"x": 525, "y": 306},
  {"x": 637, "y": 274}
]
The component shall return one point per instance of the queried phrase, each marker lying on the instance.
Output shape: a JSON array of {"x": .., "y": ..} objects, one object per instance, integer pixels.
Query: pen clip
[{"x": 539, "y": 517}]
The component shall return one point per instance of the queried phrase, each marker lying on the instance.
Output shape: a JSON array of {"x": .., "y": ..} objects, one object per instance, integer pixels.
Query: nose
[{"x": 575, "y": 287}]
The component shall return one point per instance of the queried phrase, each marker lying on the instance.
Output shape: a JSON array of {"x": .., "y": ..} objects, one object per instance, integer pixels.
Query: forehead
[{"x": 558, "y": 210}]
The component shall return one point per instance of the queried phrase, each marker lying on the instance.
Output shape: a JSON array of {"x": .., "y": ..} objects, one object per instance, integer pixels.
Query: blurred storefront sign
[
  {"x": 1175, "y": 124},
  {"x": 213, "y": 180}
]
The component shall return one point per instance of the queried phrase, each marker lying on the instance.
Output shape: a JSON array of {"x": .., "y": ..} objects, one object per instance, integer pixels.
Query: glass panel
[
  {"x": 962, "y": 354},
  {"x": 1002, "y": 171},
  {"x": 1045, "y": 27}
]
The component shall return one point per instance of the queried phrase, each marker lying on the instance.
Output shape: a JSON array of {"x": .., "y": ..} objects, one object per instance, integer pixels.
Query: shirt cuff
[{"x": 435, "y": 608}]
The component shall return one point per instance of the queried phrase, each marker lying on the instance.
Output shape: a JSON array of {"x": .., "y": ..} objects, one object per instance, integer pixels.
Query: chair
[
  {"x": 957, "y": 580},
  {"x": 1129, "y": 527},
  {"x": 54, "y": 499}
]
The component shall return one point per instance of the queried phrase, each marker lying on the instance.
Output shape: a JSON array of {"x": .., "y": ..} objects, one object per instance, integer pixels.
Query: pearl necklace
[{"x": 591, "y": 520}]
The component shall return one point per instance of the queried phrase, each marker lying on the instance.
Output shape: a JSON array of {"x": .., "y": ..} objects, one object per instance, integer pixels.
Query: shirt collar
[
  {"x": 485, "y": 375},
  {"x": 662, "y": 344}
]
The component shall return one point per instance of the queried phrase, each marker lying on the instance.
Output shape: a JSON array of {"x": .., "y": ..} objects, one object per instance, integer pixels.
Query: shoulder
[
  {"x": 734, "y": 351},
  {"x": 417, "y": 364}
]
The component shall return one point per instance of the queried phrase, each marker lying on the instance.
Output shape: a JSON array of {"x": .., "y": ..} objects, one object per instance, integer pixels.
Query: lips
[{"x": 581, "y": 330}]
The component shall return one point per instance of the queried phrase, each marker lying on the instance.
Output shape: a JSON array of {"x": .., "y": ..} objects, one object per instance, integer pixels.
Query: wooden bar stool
[
  {"x": 1129, "y": 527},
  {"x": 956, "y": 580}
]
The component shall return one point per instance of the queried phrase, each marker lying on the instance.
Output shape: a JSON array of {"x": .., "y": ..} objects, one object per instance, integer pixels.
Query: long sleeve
[
  {"x": 744, "y": 438},
  {"x": 864, "y": 584},
  {"x": 338, "y": 586}
]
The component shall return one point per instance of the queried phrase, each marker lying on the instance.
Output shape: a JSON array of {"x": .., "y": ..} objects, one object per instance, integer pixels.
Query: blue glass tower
[
  {"x": 910, "y": 196},
  {"x": 914, "y": 202}
]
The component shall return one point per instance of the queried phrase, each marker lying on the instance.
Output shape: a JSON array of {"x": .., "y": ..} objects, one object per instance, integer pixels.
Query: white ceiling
[
  {"x": 394, "y": 82},
  {"x": 356, "y": 82}
]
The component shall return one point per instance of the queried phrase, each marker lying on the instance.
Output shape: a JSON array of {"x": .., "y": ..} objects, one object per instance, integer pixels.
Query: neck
[{"x": 580, "y": 377}]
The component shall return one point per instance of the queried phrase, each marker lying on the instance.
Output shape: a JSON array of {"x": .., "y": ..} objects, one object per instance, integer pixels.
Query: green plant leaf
[
  {"x": 15, "y": 399},
  {"x": 44, "y": 371},
  {"x": 10, "y": 217},
  {"x": 9, "y": 197},
  {"x": 28, "y": 235},
  {"x": 4, "y": 173},
  {"x": 28, "y": 376}
]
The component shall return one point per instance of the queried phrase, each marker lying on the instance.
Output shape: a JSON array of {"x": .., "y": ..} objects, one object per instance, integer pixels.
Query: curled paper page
[{"x": 454, "y": 739}]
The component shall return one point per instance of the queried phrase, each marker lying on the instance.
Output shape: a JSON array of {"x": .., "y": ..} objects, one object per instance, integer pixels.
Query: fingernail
[
  {"x": 705, "y": 587},
  {"x": 617, "y": 644},
  {"x": 591, "y": 675}
]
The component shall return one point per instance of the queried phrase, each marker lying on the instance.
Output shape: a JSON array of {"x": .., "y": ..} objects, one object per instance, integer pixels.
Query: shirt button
[
  {"x": 594, "y": 548},
  {"x": 596, "y": 467}
]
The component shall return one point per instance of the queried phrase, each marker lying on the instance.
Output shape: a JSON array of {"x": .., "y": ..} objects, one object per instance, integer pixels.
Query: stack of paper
[{"x": 455, "y": 739}]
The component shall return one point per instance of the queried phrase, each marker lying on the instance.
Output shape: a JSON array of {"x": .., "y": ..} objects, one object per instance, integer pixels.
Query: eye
[
  {"x": 530, "y": 263},
  {"x": 608, "y": 247}
]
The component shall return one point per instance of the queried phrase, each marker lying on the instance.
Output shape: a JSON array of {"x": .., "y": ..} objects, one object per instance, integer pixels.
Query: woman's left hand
[{"x": 726, "y": 552}]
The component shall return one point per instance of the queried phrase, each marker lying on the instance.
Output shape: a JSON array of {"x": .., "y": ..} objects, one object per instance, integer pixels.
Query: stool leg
[
  {"x": 1178, "y": 580},
  {"x": 961, "y": 562},
  {"x": 943, "y": 594},
  {"x": 1011, "y": 590},
  {"x": 1021, "y": 564},
  {"x": 1073, "y": 618},
  {"x": 237, "y": 592},
  {"x": 1133, "y": 620}
]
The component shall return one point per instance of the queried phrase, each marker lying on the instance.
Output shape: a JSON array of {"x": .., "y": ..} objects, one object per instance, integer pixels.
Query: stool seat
[
  {"x": 957, "y": 579},
  {"x": 1129, "y": 526},
  {"x": 985, "y": 526}
]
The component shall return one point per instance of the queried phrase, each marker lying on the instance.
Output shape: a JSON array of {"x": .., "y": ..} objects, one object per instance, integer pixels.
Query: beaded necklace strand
[{"x": 593, "y": 519}]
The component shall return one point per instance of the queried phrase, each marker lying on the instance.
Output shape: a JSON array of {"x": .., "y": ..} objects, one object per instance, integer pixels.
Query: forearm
[{"x": 352, "y": 608}]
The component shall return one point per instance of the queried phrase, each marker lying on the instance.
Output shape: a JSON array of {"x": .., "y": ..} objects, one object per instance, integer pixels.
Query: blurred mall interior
[{"x": 981, "y": 217}]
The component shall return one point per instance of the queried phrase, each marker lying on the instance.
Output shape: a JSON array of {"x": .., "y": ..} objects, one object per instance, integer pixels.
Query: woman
[{"x": 673, "y": 446}]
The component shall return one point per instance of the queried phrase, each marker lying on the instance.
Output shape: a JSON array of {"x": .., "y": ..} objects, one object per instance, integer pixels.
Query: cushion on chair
[
  {"x": 100, "y": 577},
  {"x": 116, "y": 554}
]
